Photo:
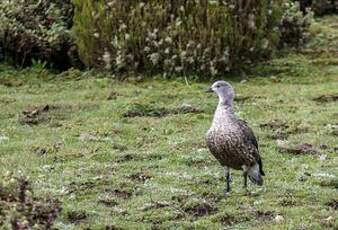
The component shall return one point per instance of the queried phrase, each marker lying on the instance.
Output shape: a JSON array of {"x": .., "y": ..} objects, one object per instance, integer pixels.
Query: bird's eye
[{"x": 217, "y": 86}]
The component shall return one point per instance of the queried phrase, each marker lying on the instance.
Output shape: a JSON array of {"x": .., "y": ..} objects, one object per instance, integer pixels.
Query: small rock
[
  {"x": 119, "y": 210},
  {"x": 327, "y": 175},
  {"x": 187, "y": 108},
  {"x": 88, "y": 137},
  {"x": 299, "y": 149},
  {"x": 279, "y": 219},
  {"x": 3, "y": 138},
  {"x": 113, "y": 95},
  {"x": 323, "y": 157},
  {"x": 327, "y": 221}
]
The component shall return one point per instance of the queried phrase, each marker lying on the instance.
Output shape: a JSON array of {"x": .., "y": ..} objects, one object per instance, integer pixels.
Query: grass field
[{"x": 132, "y": 155}]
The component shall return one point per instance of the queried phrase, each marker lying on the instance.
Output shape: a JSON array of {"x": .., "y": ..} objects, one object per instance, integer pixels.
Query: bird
[{"x": 231, "y": 141}]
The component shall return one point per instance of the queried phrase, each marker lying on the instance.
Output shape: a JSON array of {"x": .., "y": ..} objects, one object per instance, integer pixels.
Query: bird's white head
[{"x": 224, "y": 91}]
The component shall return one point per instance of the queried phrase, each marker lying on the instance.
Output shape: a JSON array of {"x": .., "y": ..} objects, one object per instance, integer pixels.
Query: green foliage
[
  {"x": 206, "y": 38},
  {"x": 35, "y": 30},
  {"x": 294, "y": 25}
]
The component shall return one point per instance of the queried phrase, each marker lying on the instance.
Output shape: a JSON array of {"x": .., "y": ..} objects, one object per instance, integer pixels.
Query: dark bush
[
  {"x": 204, "y": 37},
  {"x": 320, "y": 7},
  {"x": 294, "y": 26},
  {"x": 36, "y": 30}
]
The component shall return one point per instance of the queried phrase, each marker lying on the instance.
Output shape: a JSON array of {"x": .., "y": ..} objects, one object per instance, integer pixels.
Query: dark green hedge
[{"x": 37, "y": 30}]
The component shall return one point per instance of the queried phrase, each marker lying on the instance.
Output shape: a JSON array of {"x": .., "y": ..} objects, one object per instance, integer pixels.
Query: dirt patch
[
  {"x": 42, "y": 114},
  {"x": 137, "y": 157},
  {"x": 281, "y": 129},
  {"x": 77, "y": 216},
  {"x": 126, "y": 157},
  {"x": 40, "y": 151},
  {"x": 11, "y": 82},
  {"x": 108, "y": 201},
  {"x": 264, "y": 216},
  {"x": 326, "y": 98},
  {"x": 30, "y": 211},
  {"x": 43, "y": 150},
  {"x": 275, "y": 125},
  {"x": 113, "y": 95},
  {"x": 227, "y": 220},
  {"x": 201, "y": 209},
  {"x": 122, "y": 193},
  {"x": 143, "y": 110},
  {"x": 75, "y": 187},
  {"x": 333, "y": 204},
  {"x": 154, "y": 205},
  {"x": 301, "y": 149}
]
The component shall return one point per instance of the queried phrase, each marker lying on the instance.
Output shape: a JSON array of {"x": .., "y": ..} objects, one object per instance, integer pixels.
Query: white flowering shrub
[{"x": 204, "y": 38}]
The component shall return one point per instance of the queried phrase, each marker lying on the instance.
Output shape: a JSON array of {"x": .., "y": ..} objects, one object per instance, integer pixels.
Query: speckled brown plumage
[{"x": 230, "y": 140}]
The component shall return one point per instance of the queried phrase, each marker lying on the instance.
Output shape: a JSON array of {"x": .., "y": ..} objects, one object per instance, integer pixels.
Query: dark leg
[
  {"x": 245, "y": 175},
  {"x": 227, "y": 180}
]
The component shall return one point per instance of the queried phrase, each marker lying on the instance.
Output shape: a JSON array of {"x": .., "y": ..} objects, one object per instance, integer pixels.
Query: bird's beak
[{"x": 209, "y": 90}]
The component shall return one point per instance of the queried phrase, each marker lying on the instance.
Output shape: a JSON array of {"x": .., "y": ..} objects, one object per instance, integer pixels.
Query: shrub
[
  {"x": 36, "y": 30},
  {"x": 203, "y": 37},
  {"x": 294, "y": 26},
  {"x": 319, "y": 7}
]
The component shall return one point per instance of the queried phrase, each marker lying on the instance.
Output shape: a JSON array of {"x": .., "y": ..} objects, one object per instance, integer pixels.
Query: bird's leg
[
  {"x": 227, "y": 180},
  {"x": 245, "y": 175}
]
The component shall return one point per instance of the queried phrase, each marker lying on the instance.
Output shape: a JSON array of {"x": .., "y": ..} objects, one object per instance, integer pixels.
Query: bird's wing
[
  {"x": 250, "y": 139},
  {"x": 248, "y": 133}
]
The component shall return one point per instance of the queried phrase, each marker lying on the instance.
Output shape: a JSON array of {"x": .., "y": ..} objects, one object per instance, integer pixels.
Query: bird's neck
[
  {"x": 225, "y": 102},
  {"x": 224, "y": 112}
]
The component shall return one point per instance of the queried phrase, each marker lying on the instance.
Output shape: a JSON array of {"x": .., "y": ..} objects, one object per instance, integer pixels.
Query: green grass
[{"x": 155, "y": 171}]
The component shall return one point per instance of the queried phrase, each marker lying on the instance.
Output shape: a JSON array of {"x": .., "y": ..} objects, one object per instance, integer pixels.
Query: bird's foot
[
  {"x": 226, "y": 193},
  {"x": 247, "y": 192}
]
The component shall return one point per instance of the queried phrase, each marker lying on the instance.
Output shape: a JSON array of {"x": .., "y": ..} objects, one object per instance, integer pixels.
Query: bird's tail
[{"x": 255, "y": 174}]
